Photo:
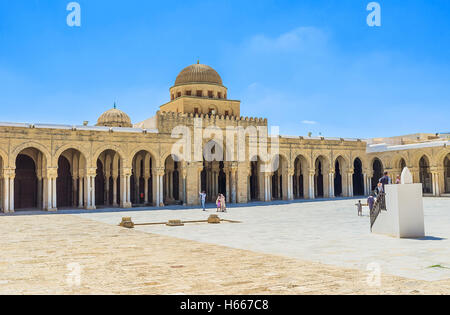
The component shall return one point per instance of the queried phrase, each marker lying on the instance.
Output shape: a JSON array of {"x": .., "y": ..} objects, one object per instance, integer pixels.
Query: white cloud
[
  {"x": 299, "y": 39},
  {"x": 309, "y": 122}
]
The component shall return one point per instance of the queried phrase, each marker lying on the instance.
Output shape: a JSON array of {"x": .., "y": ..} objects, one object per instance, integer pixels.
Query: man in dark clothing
[{"x": 385, "y": 180}]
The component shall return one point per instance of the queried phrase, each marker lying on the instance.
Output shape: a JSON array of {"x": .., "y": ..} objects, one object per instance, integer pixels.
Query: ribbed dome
[
  {"x": 198, "y": 73},
  {"x": 114, "y": 118}
]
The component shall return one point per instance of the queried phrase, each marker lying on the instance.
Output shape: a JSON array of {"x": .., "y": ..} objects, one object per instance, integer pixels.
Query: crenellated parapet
[{"x": 167, "y": 121}]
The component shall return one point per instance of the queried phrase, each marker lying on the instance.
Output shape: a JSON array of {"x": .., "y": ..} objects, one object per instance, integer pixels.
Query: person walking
[
  {"x": 203, "y": 200},
  {"x": 398, "y": 180},
  {"x": 223, "y": 203},
  {"x": 359, "y": 207},
  {"x": 218, "y": 204},
  {"x": 385, "y": 180},
  {"x": 371, "y": 202}
]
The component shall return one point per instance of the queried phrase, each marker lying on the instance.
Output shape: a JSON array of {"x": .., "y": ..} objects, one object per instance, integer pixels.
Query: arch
[
  {"x": 4, "y": 158},
  {"x": 378, "y": 170},
  {"x": 358, "y": 178},
  {"x": 68, "y": 147},
  {"x": 142, "y": 169},
  {"x": 447, "y": 173},
  {"x": 109, "y": 147},
  {"x": 417, "y": 156},
  {"x": 30, "y": 178},
  {"x": 279, "y": 177},
  {"x": 69, "y": 183},
  {"x": 108, "y": 186},
  {"x": 321, "y": 178},
  {"x": 399, "y": 161},
  {"x": 25, "y": 183},
  {"x": 340, "y": 176},
  {"x": 64, "y": 184},
  {"x": 29, "y": 145},
  {"x": 255, "y": 180},
  {"x": 425, "y": 175},
  {"x": 149, "y": 150},
  {"x": 172, "y": 181},
  {"x": 301, "y": 177}
]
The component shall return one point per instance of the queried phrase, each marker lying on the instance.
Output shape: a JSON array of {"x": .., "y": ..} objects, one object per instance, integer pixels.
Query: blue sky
[{"x": 305, "y": 65}]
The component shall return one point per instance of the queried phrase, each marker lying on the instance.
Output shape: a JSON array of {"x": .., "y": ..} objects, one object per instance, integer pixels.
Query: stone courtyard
[{"x": 320, "y": 247}]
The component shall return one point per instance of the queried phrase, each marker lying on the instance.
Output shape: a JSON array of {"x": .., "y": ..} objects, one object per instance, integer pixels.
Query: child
[
  {"x": 359, "y": 207},
  {"x": 219, "y": 207}
]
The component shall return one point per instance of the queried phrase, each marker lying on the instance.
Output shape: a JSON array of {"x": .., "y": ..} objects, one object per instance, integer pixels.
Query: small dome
[
  {"x": 198, "y": 73},
  {"x": 114, "y": 118}
]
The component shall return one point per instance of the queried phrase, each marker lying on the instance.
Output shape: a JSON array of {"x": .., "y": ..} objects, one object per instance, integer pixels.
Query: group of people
[
  {"x": 220, "y": 202},
  {"x": 378, "y": 194}
]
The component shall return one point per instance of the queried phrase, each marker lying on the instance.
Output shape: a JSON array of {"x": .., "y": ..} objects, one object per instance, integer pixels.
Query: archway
[
  {"x": 377, "y": 167},
  {"x": 172, "y": 184},
  {"x": 256, "y": 179},
  {"x": 321, "y": 178},
  {"x": 425, "y": 175},
  {"x": 358, "y": 178},
  {"x": 25, "y": 183},
  {"x": 64, "y": 185},
  {"x": 107, "y": 179},
  {"x": 30, "y": 180},
  {"x": 3, "y": 204},
  {"x": 402, "y": 164},
  {"x": 142, "y": 179},
  {"x": 447, "y": 174},
  {"x": 279, "y": 178},
  {"x": 69, "y": 184},
  {"x": 337, "y": 179},
  {"x": 300, "y": 178},
  {"x": 215, "y": 173}
]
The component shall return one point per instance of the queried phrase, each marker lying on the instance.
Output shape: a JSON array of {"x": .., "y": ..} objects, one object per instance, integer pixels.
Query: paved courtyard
[
  {"x": 302, "y": 248},
  {"x": 328, "y": 232}
]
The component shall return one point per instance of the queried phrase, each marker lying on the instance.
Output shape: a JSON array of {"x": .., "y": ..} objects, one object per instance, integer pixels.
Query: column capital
[
  {"x": 160, "y": 171},
  {"x": 9, "y": 172},
  {"x": 91, "y": 172},
  {"x": 126, "y": 171},
  {"x": 52, "y": 172},
  {"x": 368, "y": 172}
]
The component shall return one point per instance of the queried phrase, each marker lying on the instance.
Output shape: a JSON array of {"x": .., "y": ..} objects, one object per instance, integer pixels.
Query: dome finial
[
  {"x": 115, "y": 106},
  {"x": 198, "y": 61}
]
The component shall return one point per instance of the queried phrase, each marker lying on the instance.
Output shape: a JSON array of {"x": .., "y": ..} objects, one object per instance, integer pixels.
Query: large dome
[
  {"x": 198, "y": 73},
  {"x": 114, "y": 118}
]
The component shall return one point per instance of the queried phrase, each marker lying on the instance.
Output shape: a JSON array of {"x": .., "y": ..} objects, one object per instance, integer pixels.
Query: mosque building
[{"x": 120, "y": 164}]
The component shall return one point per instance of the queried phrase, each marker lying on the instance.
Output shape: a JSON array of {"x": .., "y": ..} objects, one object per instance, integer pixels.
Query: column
[
  {"x": 161, "y": 192},
  {"x": 184, "y": 176},
  {"x": 146, "y": 179},
  {"x": 267, "y": 185},
  {"x": 350, "y": 183},
  {"x": 39, "y": 192},
  {"x": 106, "y": 197},
  {"x": 227, "y": 191},
  {"x": 114, "y": 191},
  {"x": 233, "y": 184},
  {"x": 80, "y": 192},
  {"x": 54, "y": 200},
  {"x": 12, "y": 176},
  {"x": 5, "y": 198},
  {"x": 90, "y": 189},
  {"x": 331, "y": 184},
  {"x": 435, "y": 182},
  {"x": 311, "y": 190},
  {"x": 74, "y": 191},
  {"x": 249, "y": 191}
]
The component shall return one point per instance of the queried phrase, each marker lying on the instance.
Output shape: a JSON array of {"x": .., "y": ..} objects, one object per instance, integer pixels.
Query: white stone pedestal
[{"x": 404, "y": 217}]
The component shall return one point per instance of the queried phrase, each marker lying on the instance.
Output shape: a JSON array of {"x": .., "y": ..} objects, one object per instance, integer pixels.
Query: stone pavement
[
  {"x": 39, "y": 251},
  {"x": 328, "y": 232}
]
